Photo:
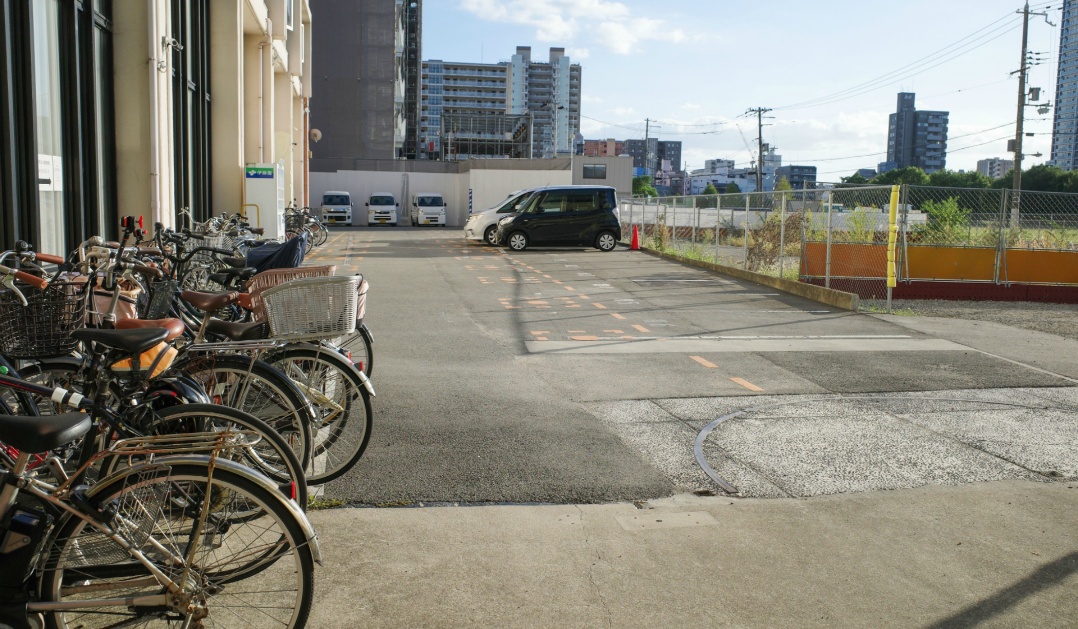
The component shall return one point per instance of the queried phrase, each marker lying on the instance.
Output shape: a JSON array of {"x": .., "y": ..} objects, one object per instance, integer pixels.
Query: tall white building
[
  {"x": 550, "y": 94},
  {"x": 994, "y": 167}
]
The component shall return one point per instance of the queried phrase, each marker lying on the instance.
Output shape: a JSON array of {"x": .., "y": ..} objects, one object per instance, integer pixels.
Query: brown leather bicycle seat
[
  {"x": 174, "y": 326},
  {"x": 238, "y": 331},
  {"x": 208, "y": 301},
  {"x": 149, "y": 251},
  {"x": 244, "y": 301},
  {"x": 258, "y": 231}
]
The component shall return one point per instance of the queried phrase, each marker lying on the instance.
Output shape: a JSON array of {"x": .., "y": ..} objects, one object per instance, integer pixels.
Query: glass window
[
  {"x": 551, "y": 202},
  {"x": 594, "y": 171},
  {"x": 49, "y": 130}
]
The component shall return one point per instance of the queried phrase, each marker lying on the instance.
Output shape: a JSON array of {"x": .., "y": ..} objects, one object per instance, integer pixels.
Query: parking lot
[{"x": 573, "y": 376}]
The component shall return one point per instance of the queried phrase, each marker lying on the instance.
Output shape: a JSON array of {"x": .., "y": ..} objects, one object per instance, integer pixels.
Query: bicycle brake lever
[{"x": 9, "y": 282}]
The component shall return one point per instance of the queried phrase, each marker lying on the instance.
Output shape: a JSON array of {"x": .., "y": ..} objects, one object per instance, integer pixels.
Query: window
[{"x": 594, "y": 171}]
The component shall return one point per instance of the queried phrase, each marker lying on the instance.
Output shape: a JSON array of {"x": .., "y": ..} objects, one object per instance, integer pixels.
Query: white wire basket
[{"x": 312, "y": 308}]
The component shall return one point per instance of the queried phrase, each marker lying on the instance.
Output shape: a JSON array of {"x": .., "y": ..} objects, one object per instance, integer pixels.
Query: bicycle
[{"x": 155, "y": 541}]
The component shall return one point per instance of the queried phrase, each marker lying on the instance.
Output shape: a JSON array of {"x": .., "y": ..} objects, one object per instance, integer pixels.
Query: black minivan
[{"x": 564, "y": 215}]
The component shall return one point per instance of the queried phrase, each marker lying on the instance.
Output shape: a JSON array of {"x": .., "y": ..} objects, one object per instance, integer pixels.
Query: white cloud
[
  {"x": 691, "y": 106},
  {"x": 591, "y": 100},
  {"x": 611, "y": 23},
  {"x": 623, "y": 111}
]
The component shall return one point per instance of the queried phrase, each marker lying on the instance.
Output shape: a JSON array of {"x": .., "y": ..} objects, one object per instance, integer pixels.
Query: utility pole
[
  {"x": 1019, "y": 134},
  {"x": 647, "y": 146},
  {"x": 1023, "y": 69},
  {"x": 759, "y": 111}
]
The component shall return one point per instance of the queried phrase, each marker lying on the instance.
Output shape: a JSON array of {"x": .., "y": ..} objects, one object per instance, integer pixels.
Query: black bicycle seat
[
  {"x": 133, "y": 341},
  {"x": 41, "y": 434}
]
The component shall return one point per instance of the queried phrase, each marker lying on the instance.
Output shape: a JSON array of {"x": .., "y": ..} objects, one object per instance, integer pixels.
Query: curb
[{"x": 828, "y": 296}]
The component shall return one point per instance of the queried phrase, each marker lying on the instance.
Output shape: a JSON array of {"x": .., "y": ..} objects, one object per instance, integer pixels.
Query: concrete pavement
[
  {"x": 948, "y": 507},
  {"x": 1000, "y": 554}
]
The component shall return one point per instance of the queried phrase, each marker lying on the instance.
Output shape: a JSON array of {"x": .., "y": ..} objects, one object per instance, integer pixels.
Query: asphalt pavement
[{"x": 553, "y": 427}]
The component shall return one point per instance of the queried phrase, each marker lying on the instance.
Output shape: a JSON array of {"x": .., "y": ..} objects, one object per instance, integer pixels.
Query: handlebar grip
[
  {"x": 39, "y": 283},
  {"x": 48, "y": 258},
  {"x": 148, "y": 271},
  {"x": 194, "y": 236}
]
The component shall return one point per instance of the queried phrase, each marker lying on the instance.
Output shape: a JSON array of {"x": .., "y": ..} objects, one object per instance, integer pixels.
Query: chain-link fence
[{"x": 838, "y": 237}]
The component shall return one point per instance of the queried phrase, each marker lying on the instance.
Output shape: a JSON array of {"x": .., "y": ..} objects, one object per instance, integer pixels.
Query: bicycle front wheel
[
  {"x": 252, "y": 573},
  {"x": 342, "y": 404}
]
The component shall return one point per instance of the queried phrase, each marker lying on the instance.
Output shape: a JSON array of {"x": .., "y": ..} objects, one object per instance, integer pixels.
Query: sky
[{"x": 830, "y": 70}]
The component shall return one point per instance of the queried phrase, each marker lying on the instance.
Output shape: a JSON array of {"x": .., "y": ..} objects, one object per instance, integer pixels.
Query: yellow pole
[{"x": 892, "y": 239}]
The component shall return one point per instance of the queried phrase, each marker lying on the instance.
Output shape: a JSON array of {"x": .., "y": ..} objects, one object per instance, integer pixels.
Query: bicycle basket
[
  {"x": 162, "y": 293},
  {"x": 42, "y": 328},
  {"x": 312, "y": 308},
  {"x": 275, "y": 277}
]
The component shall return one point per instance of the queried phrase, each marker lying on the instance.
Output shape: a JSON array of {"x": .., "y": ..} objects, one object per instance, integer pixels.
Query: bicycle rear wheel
[{"x": 255, "y": 573}]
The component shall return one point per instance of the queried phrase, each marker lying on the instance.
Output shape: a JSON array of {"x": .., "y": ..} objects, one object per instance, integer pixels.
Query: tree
[
  {"x": 732, "y": 188},
  {"x": 910, "y": 175},
  {"x": 710, "y": 189},
  {"x": 642, "y": 187},
  {"x": 951, "y": 179},
  {"x": 856, "y": 179},
  {"x": 783, "y": 185}
]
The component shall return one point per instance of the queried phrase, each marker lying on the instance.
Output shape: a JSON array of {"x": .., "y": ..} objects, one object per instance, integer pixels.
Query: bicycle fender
[{"x": 180, "y": 386}]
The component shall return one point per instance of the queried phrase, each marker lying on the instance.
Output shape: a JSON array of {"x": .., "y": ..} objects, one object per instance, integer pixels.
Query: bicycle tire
[
  {"x": 342, "y": 404},
  {"x": 360, "y": 348},
  {"x": 321, "y": 233},
  {"x": 69, "y": 569},
  {"x": 259, "y": 389}
]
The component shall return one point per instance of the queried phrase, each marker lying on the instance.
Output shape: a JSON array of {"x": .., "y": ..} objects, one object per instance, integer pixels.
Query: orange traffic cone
[{"x": 635, "y": 243}]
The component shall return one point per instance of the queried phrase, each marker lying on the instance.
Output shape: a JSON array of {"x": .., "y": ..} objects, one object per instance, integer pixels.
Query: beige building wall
[{"x": 259, "y": 87}]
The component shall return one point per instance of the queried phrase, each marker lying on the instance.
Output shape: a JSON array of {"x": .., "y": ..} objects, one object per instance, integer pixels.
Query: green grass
[{"x": 315, "y": 503}]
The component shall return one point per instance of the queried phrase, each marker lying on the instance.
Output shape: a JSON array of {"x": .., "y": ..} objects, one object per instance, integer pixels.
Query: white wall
[{"x": 488, "y": 187}]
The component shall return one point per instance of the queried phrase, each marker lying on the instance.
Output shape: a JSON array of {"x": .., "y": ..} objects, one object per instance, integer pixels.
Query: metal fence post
[
  {"x": 673, "y": 211},
  {"x": 746, "y": 262},
  {"x": 782, "y": 235},
  {"x": 827, "y": 256},
  {"x": 718, "y": 220},
  {"x": 695, "y": 220}
]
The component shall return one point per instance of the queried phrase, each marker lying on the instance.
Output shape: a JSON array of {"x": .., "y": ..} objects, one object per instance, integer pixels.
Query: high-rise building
[
  {"x": 1065, "y": 126},
  {"x": 799, "y": 177},
  {"x": 516, "y": 108},
  {"x": 367, "y": 56},
  {"x": 994, "y": 167},
  {"x": 917, "y": 138},
  {"x": 600, "y": 148},
  {"x": 648, "y": 154}
]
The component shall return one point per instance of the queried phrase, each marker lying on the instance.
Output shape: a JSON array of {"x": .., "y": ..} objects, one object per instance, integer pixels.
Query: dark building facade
[
  {"x": 799, "y": 177},
  {"x": 917, "y": 138},
  {"x": 649, "y": 154},
  {"x": 367, "y": 84}
]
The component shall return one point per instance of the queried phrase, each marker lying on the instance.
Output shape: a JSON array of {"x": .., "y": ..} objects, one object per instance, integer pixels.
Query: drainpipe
[
  {"x": 266, "y": 103},
  {"x": 155, "y": 163}
]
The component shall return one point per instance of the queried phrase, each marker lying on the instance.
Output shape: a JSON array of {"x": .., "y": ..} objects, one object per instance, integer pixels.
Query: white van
[
  {"x": 428, "y": 208},
  {"x": 337, "y": 207},
  {"x": 382, "y": 209}
]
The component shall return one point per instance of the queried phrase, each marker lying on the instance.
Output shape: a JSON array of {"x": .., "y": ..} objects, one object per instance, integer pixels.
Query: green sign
[{"x": 256, "y": 172}]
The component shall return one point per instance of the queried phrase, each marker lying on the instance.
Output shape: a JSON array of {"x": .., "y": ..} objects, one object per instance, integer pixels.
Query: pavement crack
[{"x": 591, "y": 570}]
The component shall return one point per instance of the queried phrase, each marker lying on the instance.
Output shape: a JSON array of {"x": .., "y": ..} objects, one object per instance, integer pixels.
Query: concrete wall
[{"x": 473, "y": 184}]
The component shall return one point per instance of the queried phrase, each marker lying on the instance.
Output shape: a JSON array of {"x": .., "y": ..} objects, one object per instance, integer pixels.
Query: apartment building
[
  {"x": 916, "y": 138},
  {"x": 1065, "y": 124},
  {"x": 994, "y": 167},
  {"x": 648, "y": 154},
  {"x": 110, "y": 109}
]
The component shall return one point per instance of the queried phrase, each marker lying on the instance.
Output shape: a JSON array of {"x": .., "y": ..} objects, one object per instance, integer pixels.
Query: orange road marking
[
  {"x": 540, "y": 338},
  {"x": 570, "y": 288},
  {"x": 614, "y": 331},
  {"x": 640, "y": 328},
  {"x": 577, "y": 331},
  {"x": 540, "y": 332},
  {"x": 583, "y": 338},
  {"x": 617, "y": 316},
  {"x": 745, "y": 383},
  {"x": 709, "y": 365},
  {"x": 598, "y": 305}
]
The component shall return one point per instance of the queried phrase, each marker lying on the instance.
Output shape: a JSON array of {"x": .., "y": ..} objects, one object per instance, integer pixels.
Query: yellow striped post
[{"x": 892, "y": 239}]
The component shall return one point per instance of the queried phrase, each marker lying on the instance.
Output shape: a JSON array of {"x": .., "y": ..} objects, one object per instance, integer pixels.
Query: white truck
[
  {"x": 337, "y": 207},
  {"x": 427, "y": 208},
  {"x": 382, "y": 209}
]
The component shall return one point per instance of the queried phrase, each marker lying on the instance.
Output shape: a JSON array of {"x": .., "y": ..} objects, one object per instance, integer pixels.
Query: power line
[{"x": 905, "y": 72}]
